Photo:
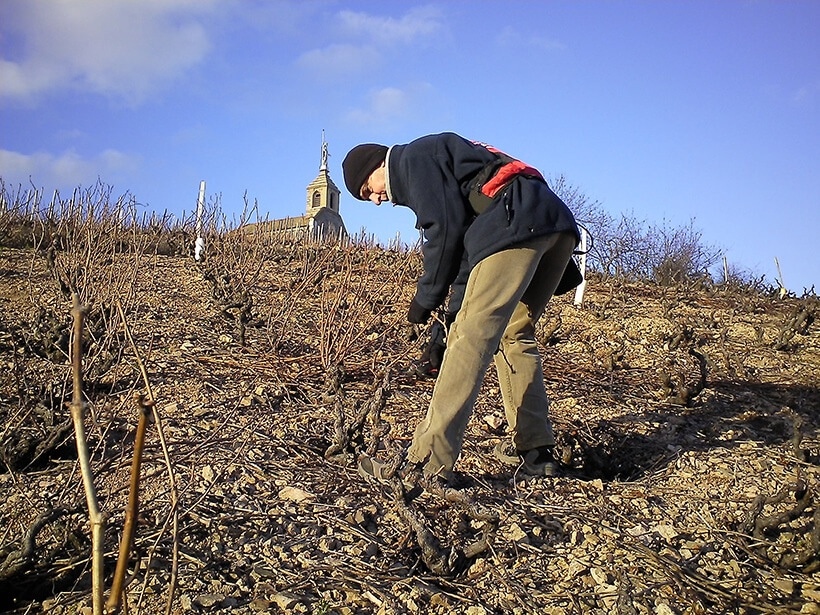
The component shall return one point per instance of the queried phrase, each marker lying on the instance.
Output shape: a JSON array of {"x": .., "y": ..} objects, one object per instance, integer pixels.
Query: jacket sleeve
[
  {"x": 458, "y": 287},
  {"x": 433, "y": 189},
  {"x": 442, "y": 252}
]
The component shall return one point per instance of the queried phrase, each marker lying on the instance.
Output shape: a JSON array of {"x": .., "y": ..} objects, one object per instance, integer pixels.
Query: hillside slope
[{"x": 688, "y": 417}]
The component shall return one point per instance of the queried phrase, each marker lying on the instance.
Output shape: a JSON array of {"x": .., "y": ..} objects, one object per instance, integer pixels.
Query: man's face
[{"x": 375, "y": 188}]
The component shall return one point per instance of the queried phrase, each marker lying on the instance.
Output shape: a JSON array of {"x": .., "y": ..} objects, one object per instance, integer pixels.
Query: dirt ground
[{"x": 687, "y": 419}]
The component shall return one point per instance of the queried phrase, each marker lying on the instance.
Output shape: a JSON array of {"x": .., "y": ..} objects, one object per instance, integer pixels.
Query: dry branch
[
  {"x": 261, "y": 418},
  {"x": 173, "y": 516},
  {"x": 131, "y": 513},
  {"x": 20, "y": 560},
  {"x": 77, "y": 414}
]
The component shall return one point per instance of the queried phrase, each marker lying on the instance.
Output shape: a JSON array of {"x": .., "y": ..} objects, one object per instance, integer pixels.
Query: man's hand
[
  {"x": 418, "y": 314},
  {"x": 430, "y": 363}
]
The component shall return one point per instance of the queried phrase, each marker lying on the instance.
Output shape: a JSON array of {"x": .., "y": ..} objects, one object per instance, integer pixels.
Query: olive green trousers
[{"x": 505, "y": 296}]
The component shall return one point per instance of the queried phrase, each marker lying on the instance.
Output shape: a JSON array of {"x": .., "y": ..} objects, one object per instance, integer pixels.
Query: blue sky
[{"x": 666, "y": 110}]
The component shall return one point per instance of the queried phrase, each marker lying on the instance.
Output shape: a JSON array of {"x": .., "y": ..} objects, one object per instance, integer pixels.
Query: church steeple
[
  {"x": 321, "y": 220},
  {"x": 322, "y": 192}
]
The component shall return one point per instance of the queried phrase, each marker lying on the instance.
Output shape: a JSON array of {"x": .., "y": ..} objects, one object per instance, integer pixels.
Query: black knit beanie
[{"x": 359, "y": 163}]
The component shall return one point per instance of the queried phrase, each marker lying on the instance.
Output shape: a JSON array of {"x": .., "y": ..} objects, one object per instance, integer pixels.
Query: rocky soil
[{"x": 688, "y": 419}]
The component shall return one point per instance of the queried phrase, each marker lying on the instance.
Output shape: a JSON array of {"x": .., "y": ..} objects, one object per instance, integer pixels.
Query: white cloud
[
  {"x": 806, "y": 94},
  {"x": 419, "y": 22},
  {"x": 339, "y": 61},
  {"x": 509, "y": 36},
  {"x": 289, "y": 17},
  {"x": 389, "y": 103},
  {"x": 65, "y": 170},
  {"x": 23, "y": 80},
  {"x": 122, "y": 48}
]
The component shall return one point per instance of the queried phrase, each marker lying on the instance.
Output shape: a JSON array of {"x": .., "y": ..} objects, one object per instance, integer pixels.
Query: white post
[
  {"x": 579, "y": 291},
  {"x": 780, "y": 282},
  {"x": 199, "y": 244},
  {"x": 725, "y": 270}
]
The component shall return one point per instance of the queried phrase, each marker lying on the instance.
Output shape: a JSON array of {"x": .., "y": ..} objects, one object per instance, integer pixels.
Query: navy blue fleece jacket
[{"x": 432, "y": 176}]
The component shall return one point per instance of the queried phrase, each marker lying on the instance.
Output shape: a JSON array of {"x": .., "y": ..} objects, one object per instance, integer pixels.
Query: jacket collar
[{"x": 387, "y": 174}]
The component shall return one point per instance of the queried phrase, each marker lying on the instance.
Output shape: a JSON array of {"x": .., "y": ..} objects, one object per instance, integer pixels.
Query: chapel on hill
[{"x": 321, "y": 219}]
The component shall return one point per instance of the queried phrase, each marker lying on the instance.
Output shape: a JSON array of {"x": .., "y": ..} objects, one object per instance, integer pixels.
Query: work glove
[
  {"x": 429, "y": 364},
  {"x": 418, "y": 314}
]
